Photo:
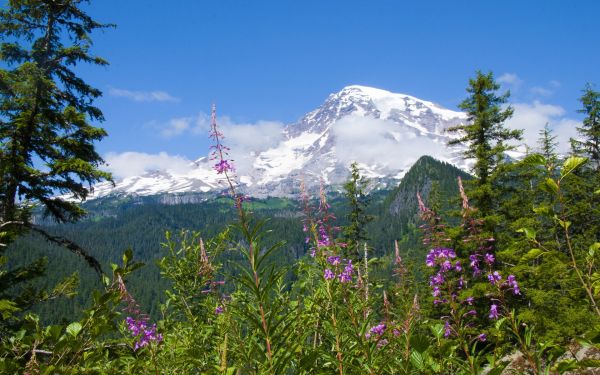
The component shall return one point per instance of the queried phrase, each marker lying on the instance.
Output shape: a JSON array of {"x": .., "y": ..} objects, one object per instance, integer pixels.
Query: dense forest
[{"x": 493, "y": 271}]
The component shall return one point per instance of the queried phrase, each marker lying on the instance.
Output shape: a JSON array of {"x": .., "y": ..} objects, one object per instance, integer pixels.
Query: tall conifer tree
[
  {"x": 485, "y": 135},
  {"x": 589, "y": 144},
  {"x": 46, "y": 111}
]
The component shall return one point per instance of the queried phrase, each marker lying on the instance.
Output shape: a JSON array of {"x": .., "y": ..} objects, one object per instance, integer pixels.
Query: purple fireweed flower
[
  {"x": 482, "y": 337},
  {"x": 494, "y": 277},
  {"x": 436, "y": 291},
  {"x": 461, "y": 283},
  {"x": 333, "y": 260},
  {"x": 144, "y": 334},
  {"x": 378, "y": 329},
  {"x": 471, "y": 312},
  {"x": 437, "y": 279},
  {"x": 446, "y": 266},
  {"x": 489, "y": 259},
  {"x": 512, "y": 282},
  {"x": 447, "y": 253},
  {"x": 474, "y": 260},
  {"x": 457, "y": 266},
  {"x": 328, "y": 274},
  {"x": 218, "y": 310},
  {"x": 346, "y": 275},
  {"x": 470, "y": 300},
  {"x": 382, "y": 343},
  {"x": 323, "y": 237},
  {"x": 494, "y": 311},
  {"x": 395, "y": 332},
  {"x": 223, "y": 166},
  {"x": 430, "y": 259},
  {"x": 313, "y": 252},
  {"x": 447, "y": 329}
]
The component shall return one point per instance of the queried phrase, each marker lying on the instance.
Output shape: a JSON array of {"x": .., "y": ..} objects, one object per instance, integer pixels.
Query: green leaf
[
  {"x": 571, "y": 164},
  {"x": 542, "y": 210},
  {"x": 593, "y": 248},
  {"x": 127, "y": 256},
  {"x": 534, "y": 159},
  {"x": 437, "y": 330},
  {"x": 531, "y": 255},
  {"x": 528, "y": 232},
  {"x": 417, "y": 360},
  {"x": 563, "y": 223},
  {"x": 74, "y": 328},
  {"x": 551, "y": 185},
  {"x": 7, "y": 307}
]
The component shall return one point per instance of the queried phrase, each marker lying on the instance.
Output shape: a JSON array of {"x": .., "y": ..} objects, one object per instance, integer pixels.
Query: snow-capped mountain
[{"x": 384, "y": 132}]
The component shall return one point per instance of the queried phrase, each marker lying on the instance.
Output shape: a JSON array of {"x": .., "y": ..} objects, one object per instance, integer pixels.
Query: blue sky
[{"x": 276, "y": 60}]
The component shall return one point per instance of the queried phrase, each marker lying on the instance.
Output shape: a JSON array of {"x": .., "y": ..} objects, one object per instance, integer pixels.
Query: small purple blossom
[
  {"x": 218, "y": 310},
  {"x": 482, "y": 337},
  {"x": 437, "y": 279},
  {"x": 447, "y": 329},
  {"x": 489, "y": 259},
  {"x": 494, "y": 277},
  {"x": 494, "y": 311},
  {"x": 145, "y": 335},
  {"x": 457, "y": 266},
  {"x": 436, "y": 291},
  {"x": 346, "y": 275},
  {"x": 470, "y": 300},
  {"x": 333, "y": 260},
  {"x": 328, "y": 274},
  {"x": 446, "y": 266},
  {"x": 323, "y": 237},
  {"x": 223, "y": 166},
  {"x": 512, "y": 282},
  {"x": 378, "y": 329},
  {"x": 382, "y": 343}
]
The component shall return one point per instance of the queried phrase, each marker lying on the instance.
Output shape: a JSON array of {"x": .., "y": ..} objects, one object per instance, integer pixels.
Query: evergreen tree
[
  {"x": 589, "y": 145},
  {"x": 485, "y": 135},
  {"x": 358, "y": 200},
  {"x": 547, "y": 146},
  {"x": 46, "y": 110}
]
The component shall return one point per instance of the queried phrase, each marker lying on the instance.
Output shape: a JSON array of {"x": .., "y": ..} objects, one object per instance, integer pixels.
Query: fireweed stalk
[
  {"x": 326, "y": 252},
  {"x": 224, "y": 166},
  {"x": 136, "y": 321},
  {"x": 450, "y": 279}
]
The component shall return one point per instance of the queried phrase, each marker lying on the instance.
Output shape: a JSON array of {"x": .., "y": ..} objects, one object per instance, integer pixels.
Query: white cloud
[
  {"x": 372, "y": 141},
  {"x": 129, "y": 163},
  {"x": 176, "y": 126},
  {"x": 143, "y": 96},
  {"x": 545, "y": 91},
  {"x": 532, "y": 117},
  {"x": 244, "y": 139},
  {"x": 510, "y": 79}
]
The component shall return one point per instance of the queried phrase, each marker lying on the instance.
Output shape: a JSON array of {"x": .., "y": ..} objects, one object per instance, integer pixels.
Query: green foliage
[
  {"x": 485, "y": 136},
  {"x": 47, "y": 139},
  {"x": 589, "y": 144},
  {"x": 355, "y": 192}
]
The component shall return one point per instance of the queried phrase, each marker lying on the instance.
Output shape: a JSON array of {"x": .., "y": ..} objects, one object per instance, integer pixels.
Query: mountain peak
[{"x": 385, "y": 132}]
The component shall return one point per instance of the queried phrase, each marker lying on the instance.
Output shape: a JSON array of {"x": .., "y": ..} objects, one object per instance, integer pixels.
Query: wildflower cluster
[
  {"x": 137, "y": 322},
  {"x": 219, "y": 152},
  {"x": 345, "y": 276},
  {"x": 145, "y": 334}
]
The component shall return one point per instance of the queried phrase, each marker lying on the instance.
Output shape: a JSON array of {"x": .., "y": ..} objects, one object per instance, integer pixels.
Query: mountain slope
[{"x": 384, "y": 132}]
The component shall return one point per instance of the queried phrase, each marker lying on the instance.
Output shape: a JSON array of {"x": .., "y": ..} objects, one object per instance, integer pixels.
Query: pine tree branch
[{"x": 70, "y": 245}]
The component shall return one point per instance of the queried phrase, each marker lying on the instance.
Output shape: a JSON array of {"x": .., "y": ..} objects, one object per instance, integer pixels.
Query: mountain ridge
[{"x": 384, "y": 132}]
